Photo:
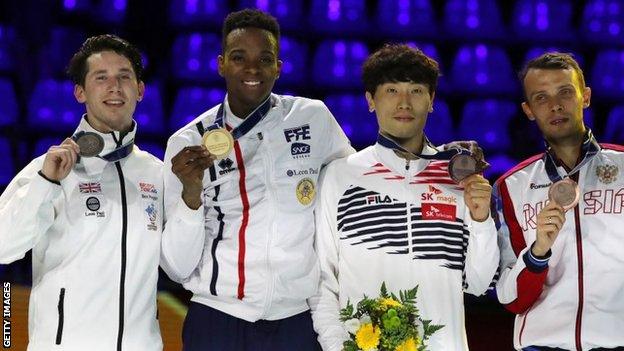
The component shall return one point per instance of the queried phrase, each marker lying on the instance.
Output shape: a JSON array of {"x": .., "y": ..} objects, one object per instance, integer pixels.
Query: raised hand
[
  {"x": 60, "y": 159},
  {"x": 550, "y": 220},
  {"x": 477, "y": 195},
  {"x": 189, "y": 166}
]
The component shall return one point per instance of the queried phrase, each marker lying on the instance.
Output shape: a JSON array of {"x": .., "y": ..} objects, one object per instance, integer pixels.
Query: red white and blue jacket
[
  {"x": 248, "y": 251},
  {"x": 573, "y": 300},
  {"x": 382, "y": 218}
]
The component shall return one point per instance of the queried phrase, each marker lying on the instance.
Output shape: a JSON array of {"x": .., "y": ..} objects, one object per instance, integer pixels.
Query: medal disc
[
  {"x": 462, "y": 166},
  {"x": 219, "y": 142},
  {"x": 565, "y": 192},
  {"x": 91, "y": 144}
]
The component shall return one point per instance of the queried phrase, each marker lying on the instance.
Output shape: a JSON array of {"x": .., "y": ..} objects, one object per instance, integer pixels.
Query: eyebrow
[
  {"x": 242, "y": 51},
  {"x": 100, "y": 71},
  {"x": 568, "y": 85}
]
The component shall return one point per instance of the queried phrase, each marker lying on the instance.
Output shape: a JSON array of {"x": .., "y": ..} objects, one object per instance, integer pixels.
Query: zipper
[
  {"x": 579, "y": 256},
  {"x": 268, "y": 166},
  {"x": 61, "y": 317},
  {"x": 408, "y": 211},
  {"x": 122, "y": 275}
]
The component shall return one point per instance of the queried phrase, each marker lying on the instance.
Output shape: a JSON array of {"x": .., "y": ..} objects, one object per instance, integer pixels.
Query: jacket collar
[{"x": 112, "y": 141}]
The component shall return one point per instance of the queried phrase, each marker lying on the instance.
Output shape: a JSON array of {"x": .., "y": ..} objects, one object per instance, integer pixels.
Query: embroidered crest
[
  {"x": 305, "y": 191},
  {"x": 607, "y": 174},
  {"x": 152, "y": 215}
]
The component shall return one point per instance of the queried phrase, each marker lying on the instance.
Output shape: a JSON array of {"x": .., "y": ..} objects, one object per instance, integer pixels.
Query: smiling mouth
[
  {"x": 251, "y": 83},
  {"x": 404, "y": 118},
  {"x": 114, "y": 103},
  {"x": 558, "y": 121}
]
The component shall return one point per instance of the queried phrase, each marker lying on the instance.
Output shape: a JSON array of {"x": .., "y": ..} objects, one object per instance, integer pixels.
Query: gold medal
[
  {"x": 305, "y": 191},
  {"x": 219, "y": 142}
]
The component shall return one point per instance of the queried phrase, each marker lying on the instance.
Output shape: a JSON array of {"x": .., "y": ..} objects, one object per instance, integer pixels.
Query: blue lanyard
[
  {"x": 589, "y": 149},
  {"x": 440, "y": 155},
  {"x": 248, "y": 123},
  {"x": 119, "y": 153}
]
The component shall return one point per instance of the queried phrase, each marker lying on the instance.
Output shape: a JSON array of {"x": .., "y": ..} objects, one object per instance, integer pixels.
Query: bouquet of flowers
[{"x": 386, "y": 323}]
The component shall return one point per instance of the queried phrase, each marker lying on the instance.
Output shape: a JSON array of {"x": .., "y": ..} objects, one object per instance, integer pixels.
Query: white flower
[
  {"x": 365, "y": 319},
  {"x": 352, "y": 325}
]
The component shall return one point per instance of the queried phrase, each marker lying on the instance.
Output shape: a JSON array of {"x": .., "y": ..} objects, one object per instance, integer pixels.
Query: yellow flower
[
  {"x": 367, "y": 337},
  {"x": 390, "y": 302},
  {"x": 409, "y": 345}
]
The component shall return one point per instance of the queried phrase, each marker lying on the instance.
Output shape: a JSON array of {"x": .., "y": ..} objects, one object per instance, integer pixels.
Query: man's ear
[
  {"x": 527, "y": 111},
  {"x": 370, "y": 101},
  {"x": 141, "y": 91},
  {"x": 220, "y": 62},
  {"x": 79, "y": 93},
  {"x": 586, "y": 97}
]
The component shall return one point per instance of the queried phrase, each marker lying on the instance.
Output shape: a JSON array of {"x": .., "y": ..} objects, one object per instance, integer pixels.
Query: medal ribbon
[
  {"x": 248, "y": 123},
  {"x": 589, "y": 148},
  {"x": 440, "y": 155}
]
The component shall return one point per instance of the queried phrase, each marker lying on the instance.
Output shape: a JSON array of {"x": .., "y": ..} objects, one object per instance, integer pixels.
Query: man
[
  {"x": 243, "y": 242},
  {"x": 93, "y": 223},
  {"x": 562, "y": 271},
  {"x": 391, "y": 213}
]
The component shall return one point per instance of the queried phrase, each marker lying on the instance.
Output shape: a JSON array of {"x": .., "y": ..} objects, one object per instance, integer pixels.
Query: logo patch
[
  {"x": 300, "y": 150},
  {"x": 152, "y": 215},
  {"x": 226, "y": 166},
  {"x": 607, "y": 174},
  {"x": 297, "y": 133},
  {"x": 305, "y": 191},
  {"x": 90, "y": 188},
  {"x": 298, "y": 172},
  {"x": 148, "y": 188},
  {"x": 436, "y": 211},
  {"x": 377, "y": 199},
  {"x": 539, "y": 186},
  {"x": 435, "y": 194},
  {"x": 93, "y": 204}
]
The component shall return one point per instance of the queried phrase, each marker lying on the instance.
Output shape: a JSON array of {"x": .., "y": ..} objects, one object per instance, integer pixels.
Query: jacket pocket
[{"x": 61, "y": 317}]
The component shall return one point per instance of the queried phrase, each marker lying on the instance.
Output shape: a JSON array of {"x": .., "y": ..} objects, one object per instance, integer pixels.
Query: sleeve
[
  {"x": 325, "y": 304},
  {"x": 26, "y": 211},
  {"x": 184, "y": 233},
  {"x": 521, "y": 281},
  {"x": 337, "y": 144},
  {"x": 482, "y": 256}
]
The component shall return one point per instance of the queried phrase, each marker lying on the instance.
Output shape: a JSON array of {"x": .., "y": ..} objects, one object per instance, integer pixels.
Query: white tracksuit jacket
[
  {"x": 574, "y": 300},
  {"x": 248, "y": 251},
  {"x": 95, "y": 242},
  {"x": 381, "y": 218}
]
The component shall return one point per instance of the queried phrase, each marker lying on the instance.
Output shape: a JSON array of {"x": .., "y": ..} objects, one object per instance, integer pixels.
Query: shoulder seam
[{"x": 520, "y": 166}]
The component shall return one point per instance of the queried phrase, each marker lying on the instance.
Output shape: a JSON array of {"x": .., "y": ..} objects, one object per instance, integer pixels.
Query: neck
[
  {"x": 413, "y": 144},
  {"x": 568, "y": 150},
  {"x": 240, "y": 110}
]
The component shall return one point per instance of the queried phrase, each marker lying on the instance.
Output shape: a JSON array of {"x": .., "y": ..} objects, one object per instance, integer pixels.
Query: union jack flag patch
[{"x": 90, "y": 188}]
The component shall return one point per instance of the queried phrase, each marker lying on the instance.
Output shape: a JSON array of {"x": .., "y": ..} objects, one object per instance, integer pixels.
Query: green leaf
[{"x": 384, "y": 290}]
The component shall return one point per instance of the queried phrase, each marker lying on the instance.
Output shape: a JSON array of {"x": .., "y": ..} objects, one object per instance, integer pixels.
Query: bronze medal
[
  {"x": 462, "y": 166},
  {"x": 565, "y": 192}
]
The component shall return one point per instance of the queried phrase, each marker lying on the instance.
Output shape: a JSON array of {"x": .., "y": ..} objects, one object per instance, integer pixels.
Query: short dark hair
[
  {"x": 399, "y": 63},
  {"x": 553, "y": 60},
  {"x": 250, "y": 18},
  {"x": 78, "y": 68}
]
